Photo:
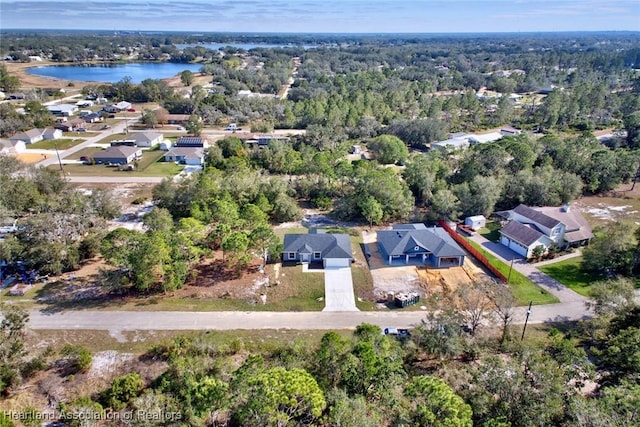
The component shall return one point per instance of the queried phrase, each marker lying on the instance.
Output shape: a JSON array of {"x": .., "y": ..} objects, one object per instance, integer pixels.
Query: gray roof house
[
  {"x": 118, "y": 155},
  {"x": 28, "y": 137},
  {"x": 332, "y": 250},
  {"x": 543, "y": 226},
  {"x": 417, "y": 244},
  {"x": 140, "y": 139},
  {"x": 185, "y": 155}
]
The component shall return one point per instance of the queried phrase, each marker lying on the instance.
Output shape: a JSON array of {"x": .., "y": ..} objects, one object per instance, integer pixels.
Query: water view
[{"x": 112, "y": 73}]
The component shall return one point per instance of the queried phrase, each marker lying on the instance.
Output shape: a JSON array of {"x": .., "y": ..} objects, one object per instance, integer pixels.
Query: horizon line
[{"x": 323, "y": 33}]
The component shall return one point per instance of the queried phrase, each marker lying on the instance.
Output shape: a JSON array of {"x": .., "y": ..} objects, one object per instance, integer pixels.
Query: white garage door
[
  {"x": 519, "y": 249},
  {"x": 337, "y": 262}
]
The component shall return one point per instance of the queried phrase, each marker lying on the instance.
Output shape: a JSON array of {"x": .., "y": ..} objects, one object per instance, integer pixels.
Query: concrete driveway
[{"x": 338, "y": 290}]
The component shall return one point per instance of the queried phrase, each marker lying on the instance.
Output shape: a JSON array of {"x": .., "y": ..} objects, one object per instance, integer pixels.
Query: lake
[{"x": 112, "y": 73}]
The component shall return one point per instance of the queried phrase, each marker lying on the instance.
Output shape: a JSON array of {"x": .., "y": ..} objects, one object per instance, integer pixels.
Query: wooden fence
[{"x": 473, "y": 251}]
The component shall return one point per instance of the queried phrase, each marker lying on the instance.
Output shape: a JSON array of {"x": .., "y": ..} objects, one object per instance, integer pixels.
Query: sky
[{"x": 324, "y": 16}]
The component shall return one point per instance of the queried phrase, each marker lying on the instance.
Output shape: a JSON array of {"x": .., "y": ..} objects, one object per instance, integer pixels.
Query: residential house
[
  {"x": 92, "y": 118},
  {"x": 418, "y": 244},
  {"x": 51, "y": 133},
  {"x": 140, "y": 139},
  {"x": 523, "y": 238},
  {"x": 545, "y": 226},
  {"x": 110, "y": 109},
  {"x": 485, "y": 138},
  {"x": 122, "y": 105},
  {"x": 177, "y": 119},
  {"x": 28, "y": 137},
  {"x": 332, "y": 250},
  {"x": 186, "y": 155},
  {"x": 70, "y": 125},
  {"x": 165, "y": 145},
  {"x": 456, "y": 142},
  {"x": 119, "y": 155},
  {"x": 65, "y": 110},
  {"x": 11, "y": 147},
  {"x": 260, "y": 140},
  {"x": 192, "y": 141},
  {"x": 84, "y": 103}
]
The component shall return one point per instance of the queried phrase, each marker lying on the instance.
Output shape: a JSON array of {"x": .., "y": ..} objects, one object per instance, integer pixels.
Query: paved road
[
  {"x": 117, "y": 128},
  {"x": 115, "y": 179},
  {"x": 564, "y": 294},
  {"x": 118, "y": 321},
  {"x": 338, "y": 290}
]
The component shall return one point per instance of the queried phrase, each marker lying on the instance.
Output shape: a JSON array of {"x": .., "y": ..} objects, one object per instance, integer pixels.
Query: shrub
[
  {"x": 78, "y": 358},
  {"x": 122, "y": 390}
]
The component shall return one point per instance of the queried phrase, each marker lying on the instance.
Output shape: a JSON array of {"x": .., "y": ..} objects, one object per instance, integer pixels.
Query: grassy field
[
  {"x": 523, "y": 289},
  {"x": 569, "y": 272},
  {"x": 491, "y": 231},
  {"x": 51, "y": 144},
  {"x": 149, "y": 165}
]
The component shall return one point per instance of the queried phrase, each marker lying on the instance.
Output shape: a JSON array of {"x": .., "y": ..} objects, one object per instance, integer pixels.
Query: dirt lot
[
  {"x": 411, "y": 278},
  {"x": 621, "y": 204}
]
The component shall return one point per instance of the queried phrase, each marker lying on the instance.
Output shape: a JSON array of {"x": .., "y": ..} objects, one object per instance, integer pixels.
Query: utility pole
[
  {"x": 55, "y": 144},
  {"x": 526, "y": 320}
]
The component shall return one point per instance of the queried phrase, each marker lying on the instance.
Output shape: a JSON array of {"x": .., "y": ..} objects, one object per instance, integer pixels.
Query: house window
[
  {"x": 417, "y": 248},
  {"x": 292, "y": 255},
  {"x": 317, "y": 255}
]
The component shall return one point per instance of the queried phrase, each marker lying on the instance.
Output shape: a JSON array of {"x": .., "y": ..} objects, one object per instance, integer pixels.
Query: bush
[
  {"x": 36, "y": 364},
  {"x": 122, "y": 390},
  {"x": 138, "y": 200},
  {"x": 78, "y": 358}
]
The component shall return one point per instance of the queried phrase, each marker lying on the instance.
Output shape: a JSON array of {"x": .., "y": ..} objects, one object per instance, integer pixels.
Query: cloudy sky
[{"x": 328, "y": 16}]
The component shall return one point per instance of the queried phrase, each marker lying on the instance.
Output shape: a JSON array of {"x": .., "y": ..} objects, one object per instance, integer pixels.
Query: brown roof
[{"x": 521, "y": 233}]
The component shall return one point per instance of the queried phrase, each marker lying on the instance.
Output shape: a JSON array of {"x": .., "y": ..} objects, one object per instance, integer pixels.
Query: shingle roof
[
  {"x": 329, "y": 245},
  {"x": 144, "y": 136},
  {"x": 188, "y": 152},
  {"x": 521, "y": 233},
  {"x": 27, "y": 135},
  {"x": 576, "y": 226},
  {"x": 117, "y": 151},
  {"x": 535, "y": 216},
  {"x": 400, "y": 241}
]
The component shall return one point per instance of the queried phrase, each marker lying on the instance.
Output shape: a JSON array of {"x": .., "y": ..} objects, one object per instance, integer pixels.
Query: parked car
[
  {"x": 81, "y": 130},
  {"x": 131, "y": 110},
  {"x": 397, "y": 332},
  {"x": 84, "y": 158},
  {"x": 105, "y": 127}
]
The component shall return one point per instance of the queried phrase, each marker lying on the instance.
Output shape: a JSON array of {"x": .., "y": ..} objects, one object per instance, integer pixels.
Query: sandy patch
[
  {"x": 30, "y": 157},
  {"x": 106, "y": 363}
]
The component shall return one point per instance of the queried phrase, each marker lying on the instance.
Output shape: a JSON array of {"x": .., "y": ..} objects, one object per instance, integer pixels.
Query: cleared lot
[{"x": 416, "y": 278}]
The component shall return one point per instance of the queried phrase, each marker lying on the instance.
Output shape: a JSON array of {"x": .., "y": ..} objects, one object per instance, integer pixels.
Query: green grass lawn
[
  {"x": 569, "y": 272},
  {"x": 149, "y": 165},
  {"x": 491, "y": 231},
  {"x": 523, "y": 289},
  {"x": 50, "y": 144}
]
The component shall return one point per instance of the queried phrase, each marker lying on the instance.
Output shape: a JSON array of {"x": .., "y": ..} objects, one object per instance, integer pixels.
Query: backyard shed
[{"x": 476, "y": 222}]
